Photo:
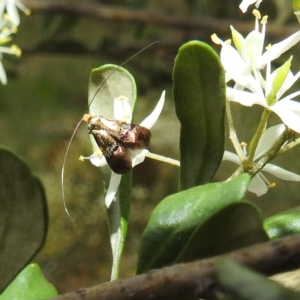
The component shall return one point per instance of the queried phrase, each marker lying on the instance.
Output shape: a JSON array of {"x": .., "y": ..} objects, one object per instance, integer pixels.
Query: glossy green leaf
[
  {"x": 29, "y": 284},
  {"x": 283, "y": 224},
  {"x": 23, "y": 216},
  {"x": 199, "y": 95},
  {"x": 107, "y": 83},
  {"x": 200, "y": 222},
  {"x": 244, "y": 284}
]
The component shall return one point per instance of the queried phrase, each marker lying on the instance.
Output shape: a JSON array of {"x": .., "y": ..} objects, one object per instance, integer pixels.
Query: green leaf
[
  {"x": 23, "y": 216},
  {"x": 199, "y": 95},
  {"x": 244, "y": 284},
  {"x": 107, "y": 83},
  {"x": 200, "y": 222},
  {"x": 283, "y": 224},
  {"x": 29, "y": 284}
]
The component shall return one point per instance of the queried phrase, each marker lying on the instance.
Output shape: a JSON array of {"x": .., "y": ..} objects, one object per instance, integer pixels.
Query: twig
[
  {"x": 202, "y": 24},
  {"x": 272, "y": 153},
  {"x": 289, "y": 146},
  {"x": 197, "y": 279}
]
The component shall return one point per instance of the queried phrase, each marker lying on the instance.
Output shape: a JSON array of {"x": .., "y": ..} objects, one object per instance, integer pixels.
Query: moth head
[{"x": 93, "y": 122}]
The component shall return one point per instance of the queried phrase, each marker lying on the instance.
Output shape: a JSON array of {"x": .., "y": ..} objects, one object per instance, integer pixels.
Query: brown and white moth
[{"x": 114, "y": 138}]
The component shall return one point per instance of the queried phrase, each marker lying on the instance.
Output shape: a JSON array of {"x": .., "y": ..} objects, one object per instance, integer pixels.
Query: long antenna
[
  {"x": 63, "y": 168},
  {"x": 77, "y": 126}
]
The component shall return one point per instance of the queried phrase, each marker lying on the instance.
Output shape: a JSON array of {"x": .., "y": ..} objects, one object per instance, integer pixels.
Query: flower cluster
[
  {"x": 9, "y": 20},
  {"x": 249, "y": 67},
  {"x": 254, "y": 82}
]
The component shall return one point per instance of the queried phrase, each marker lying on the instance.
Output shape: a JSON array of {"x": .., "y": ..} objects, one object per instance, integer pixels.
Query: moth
[{"x": 114, "y": 138}]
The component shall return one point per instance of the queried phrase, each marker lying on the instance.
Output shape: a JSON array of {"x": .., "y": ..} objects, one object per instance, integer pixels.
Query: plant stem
[
  {"x": 289, "y": 146},
  {"x": 232, "y": 134},
  {"x": 271, "y": 153},
  {"x": 236, "y": 173},
  {"x": 260, "y": 129},
  {"x": 164, "y": 159}
]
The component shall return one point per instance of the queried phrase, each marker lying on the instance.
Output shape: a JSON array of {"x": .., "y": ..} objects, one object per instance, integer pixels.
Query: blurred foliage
[
  {"x": 29, "y": 284},
  {"x": 46, "y": 96}
]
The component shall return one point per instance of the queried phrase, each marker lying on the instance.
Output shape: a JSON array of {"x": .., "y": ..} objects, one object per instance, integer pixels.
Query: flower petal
[
  {"x": 3, "y": 77},
  {"x": 245, "y": 98},
  {"x": 96, "y": 160},
  {"x": 245, "y": 3},
  {"x": 231, "y": 157},
  {"x": 281, "y": 173},
  {"x": 277, "y": 49},
  {"x": 291, "y": 96},
  {"x": 238, "y": 70},
  {"x": 114, "y": 183},
  {"x": 257, "y": 185},
  {"x": 137, "y": 156},
  {"x": 12, "y": 12},
  {"x": 252, "y": 48},
  {"x": 152, "y": 118},
  {"x": 289, "y": 112},
  {"x": 122, "y": 110},
  {"x": 268, "y": 139}
]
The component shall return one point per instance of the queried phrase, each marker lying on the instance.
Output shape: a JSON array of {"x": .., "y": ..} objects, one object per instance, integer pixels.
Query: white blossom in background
[
  {"x": 251, "y": 48},
  {"x": 245, "y": 3},
  {"x": 9, "y": 20},
  {"x": 248, "y": 60},
  {"x": 123, "y": 111},
  {"x": 248, "y": 57},
  {"x": 286, "y": 108},
  {"x": 9, "y": 8},
  {"x": 5, "y": 37},
  {"x": 248, "y": 65},
  {"x": 259, "y": 183}
]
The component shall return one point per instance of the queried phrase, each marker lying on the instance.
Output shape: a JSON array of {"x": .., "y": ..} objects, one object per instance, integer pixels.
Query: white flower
[
  {"x": 287, "y": 109},
  {"x": 245, "y": 3},
  {"x": 3, "y": 77},
  {"x": 243, "y": 65},
  {"x": 123, "y": 112},
  {"x": 14, "y": 50},
  {"x": 259, "y": 183},
  {"x": 249, "y": 53},
  {"x": 10, "y": 6}
]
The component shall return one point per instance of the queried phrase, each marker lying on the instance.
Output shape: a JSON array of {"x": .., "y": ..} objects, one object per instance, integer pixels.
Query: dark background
[{"x": 46, "y": 96}]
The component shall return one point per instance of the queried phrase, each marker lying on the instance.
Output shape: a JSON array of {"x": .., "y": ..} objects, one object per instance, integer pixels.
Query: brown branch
[
  {"x": 203, "y": 25},
  {"x": 197, "y": 279}
]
